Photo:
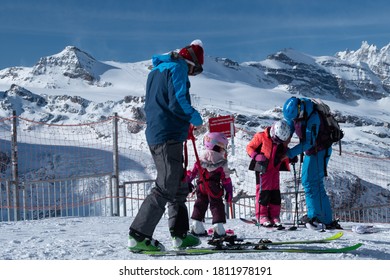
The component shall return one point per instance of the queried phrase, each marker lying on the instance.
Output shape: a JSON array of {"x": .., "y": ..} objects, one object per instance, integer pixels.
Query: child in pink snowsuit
[
  {"x": 268, "y": 152},
  {"x": 214, "y": 161}
]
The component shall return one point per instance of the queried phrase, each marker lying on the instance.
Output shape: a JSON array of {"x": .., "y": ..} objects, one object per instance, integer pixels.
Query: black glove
[
  {"x": 293, "y": 160},
  {"x": 191, "y": 187}
]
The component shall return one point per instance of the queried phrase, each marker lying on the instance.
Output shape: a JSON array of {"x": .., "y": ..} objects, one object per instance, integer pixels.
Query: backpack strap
[
  {"x": 303, "y": 118},
  {"x": 325, "y": 157},
  {"x": 185, "y": 159}
]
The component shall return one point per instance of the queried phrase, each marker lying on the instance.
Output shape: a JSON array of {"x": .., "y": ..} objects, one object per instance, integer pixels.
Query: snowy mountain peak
[
  {"x": 349, "y": 75},
  {"x": 292, "y": 57},
  {"x": 71, "y": 59},
  {"x": 377, "y": 60},
  {"x": 369, "y": 54},
  {"x": 72, "y": 63},
  {"x": 70, "y": 67}
]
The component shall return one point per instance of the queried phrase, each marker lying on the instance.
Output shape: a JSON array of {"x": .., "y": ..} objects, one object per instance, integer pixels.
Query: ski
[
  {"x": 252, "y": 221},
  {"x": 265, "y": 249},
  {"x": 234, "y": 241}
]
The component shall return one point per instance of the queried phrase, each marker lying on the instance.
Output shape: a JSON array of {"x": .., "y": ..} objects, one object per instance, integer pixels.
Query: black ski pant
[{"x": 169, "y": 189}]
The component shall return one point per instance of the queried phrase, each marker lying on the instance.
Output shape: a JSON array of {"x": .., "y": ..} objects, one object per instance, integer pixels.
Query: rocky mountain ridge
[
  {"x": 59, "y": 70},
  {"x": 347, "y": 76}
]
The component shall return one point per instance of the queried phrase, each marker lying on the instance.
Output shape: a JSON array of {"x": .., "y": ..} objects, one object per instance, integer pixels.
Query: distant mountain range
[
  {"x": 72, "y": 86},
  {"x": 349, "y": 75}
]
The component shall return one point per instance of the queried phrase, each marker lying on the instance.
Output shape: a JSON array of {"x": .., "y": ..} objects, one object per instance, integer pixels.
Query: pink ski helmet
[{"x": 213, "y": 139}]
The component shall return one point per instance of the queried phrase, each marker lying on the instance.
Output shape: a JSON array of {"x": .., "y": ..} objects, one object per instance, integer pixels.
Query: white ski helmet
[
  {"x": 280, "y": 131},
  {"x": 213, "y": 139}
]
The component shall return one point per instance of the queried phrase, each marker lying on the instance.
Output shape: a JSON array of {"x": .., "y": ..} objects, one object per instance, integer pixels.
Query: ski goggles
[{"x": 276, "y": 139}]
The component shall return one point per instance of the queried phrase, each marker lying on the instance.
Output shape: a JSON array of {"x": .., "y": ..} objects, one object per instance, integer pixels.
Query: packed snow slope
[{"x": 105, "y": 238}]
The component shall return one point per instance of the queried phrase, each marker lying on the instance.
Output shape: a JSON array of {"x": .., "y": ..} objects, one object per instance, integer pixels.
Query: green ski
[
  {"x": 244, "y": 242},
  {"x": 336, "y": 236},
  {"x": 206, "y": 251}
]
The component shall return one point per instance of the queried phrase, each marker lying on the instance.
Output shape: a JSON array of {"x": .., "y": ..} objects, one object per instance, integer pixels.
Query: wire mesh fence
[{"x": 105, "y": 168}]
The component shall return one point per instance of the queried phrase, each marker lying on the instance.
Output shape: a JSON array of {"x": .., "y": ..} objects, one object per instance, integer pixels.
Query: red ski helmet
[{"x": 195, "y": 48}]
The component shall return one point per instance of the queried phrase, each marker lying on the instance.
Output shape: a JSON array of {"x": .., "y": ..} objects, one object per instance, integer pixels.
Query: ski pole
[
  {"x": 260, "y": 189},
  {"x": 192, "y": 138},
  {"x": 295, "y": 226}
]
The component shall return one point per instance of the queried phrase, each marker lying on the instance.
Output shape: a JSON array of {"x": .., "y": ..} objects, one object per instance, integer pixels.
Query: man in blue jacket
[
  {"x": 306, "y": 123},
  {"x": 169, "y": 115}
]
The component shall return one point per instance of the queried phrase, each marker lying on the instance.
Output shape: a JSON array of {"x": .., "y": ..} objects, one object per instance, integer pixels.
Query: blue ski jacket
[
  {"x": 306, "y": 128},
  {"x": 168, "y": 108},
  {"x": 314, "y": 164}
]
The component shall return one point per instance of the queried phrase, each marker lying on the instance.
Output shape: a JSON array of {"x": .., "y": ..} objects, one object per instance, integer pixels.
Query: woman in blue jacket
[{"x": 306, "y": 123}]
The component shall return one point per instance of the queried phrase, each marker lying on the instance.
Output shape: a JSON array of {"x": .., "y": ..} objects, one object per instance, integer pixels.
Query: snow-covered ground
[{"x": 105, "y": 238}]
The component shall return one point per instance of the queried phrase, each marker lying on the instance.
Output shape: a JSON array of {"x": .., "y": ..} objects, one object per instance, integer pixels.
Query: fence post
[
  {"x": 124, "y": 206},
  {"x": 115, "y": 176},
  {"x": 9, "y": 202},
  {"x": 14, "y": 166}
]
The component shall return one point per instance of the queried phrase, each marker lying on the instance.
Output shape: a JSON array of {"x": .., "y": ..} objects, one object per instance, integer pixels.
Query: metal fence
[
  {"x": 95, "y": 196},
  {"x": 79, "y": 196},
  {"x": 105, "y": 168}
]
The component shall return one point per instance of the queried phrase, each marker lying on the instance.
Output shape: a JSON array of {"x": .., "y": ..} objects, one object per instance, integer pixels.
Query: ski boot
[{"x": 185, "y": 241}]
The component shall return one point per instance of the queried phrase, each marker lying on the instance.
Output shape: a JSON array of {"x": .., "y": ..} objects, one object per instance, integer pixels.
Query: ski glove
[
  {"x": 191, "y": 187},
  {"x": 187, "y": 179},
  {"x": 257, "y": 156},
  {"x": 253, "y": 154},
  {"x": 293, "y": 160},
  {"x": 190, "y": 176},
  {"x": 260, "y": 157},
  {"x": 227, "y": 185}
]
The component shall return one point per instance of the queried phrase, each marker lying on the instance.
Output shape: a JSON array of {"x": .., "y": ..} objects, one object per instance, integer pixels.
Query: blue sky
[{"x": 134, "y": 30}]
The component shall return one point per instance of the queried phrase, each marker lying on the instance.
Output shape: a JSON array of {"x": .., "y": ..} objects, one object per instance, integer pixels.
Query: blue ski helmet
[{"x": 291, "y": 108}]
